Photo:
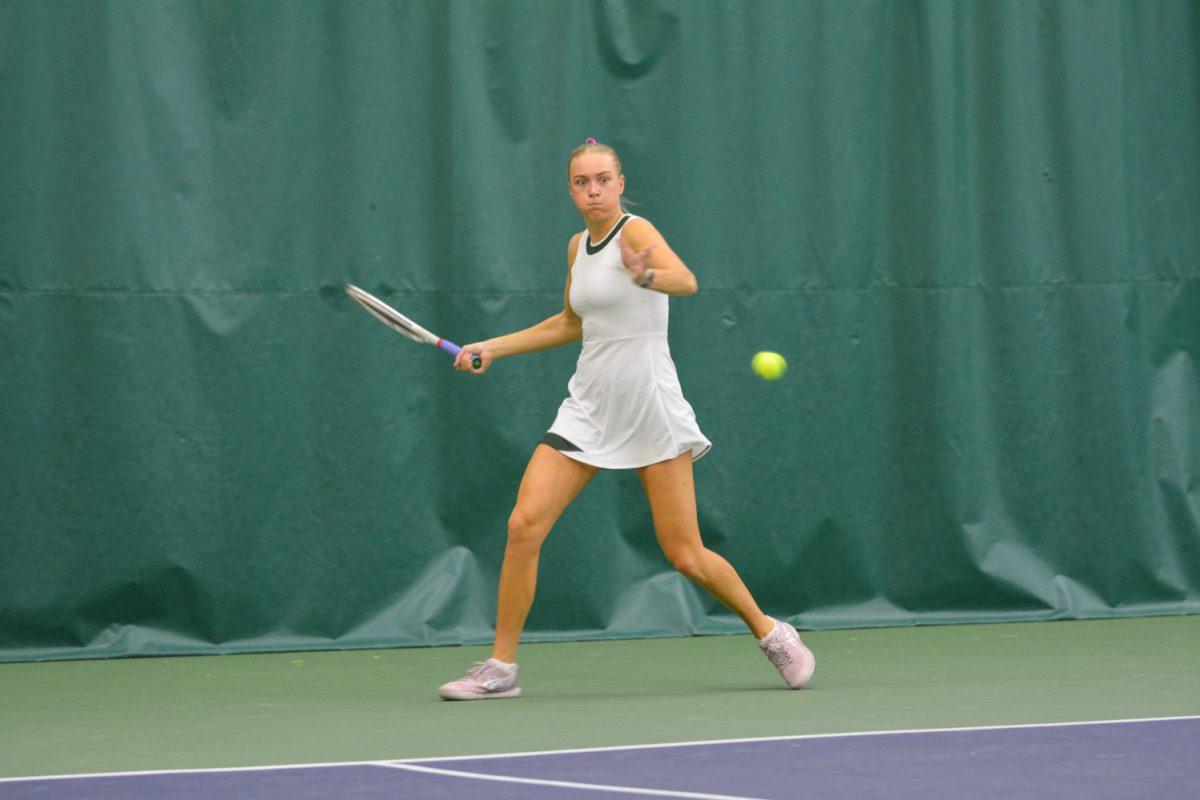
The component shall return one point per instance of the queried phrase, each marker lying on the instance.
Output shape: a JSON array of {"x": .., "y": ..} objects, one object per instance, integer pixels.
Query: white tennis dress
[{"x": 625, "y": 408}]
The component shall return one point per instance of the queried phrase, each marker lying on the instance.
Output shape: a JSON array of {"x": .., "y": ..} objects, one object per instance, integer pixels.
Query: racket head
[{"x": 390, "y": 316}]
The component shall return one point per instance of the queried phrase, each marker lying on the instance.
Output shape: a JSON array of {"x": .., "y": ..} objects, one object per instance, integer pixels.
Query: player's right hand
[{"x": 462, "y": 362}]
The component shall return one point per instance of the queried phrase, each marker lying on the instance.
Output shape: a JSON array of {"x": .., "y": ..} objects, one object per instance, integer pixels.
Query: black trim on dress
[
  {"x": 560, "y": 444},
  {"x": 587, "y": 241}
]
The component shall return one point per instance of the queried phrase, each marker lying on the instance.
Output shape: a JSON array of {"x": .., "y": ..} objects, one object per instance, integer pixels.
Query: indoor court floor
[{"x": 1100, "y": 708}]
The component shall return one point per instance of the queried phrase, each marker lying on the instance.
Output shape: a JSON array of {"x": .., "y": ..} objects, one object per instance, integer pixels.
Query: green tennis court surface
[{"x": 322, "y": 707}]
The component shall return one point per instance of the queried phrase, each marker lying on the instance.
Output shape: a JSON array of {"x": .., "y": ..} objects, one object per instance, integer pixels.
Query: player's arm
[
  {"x": 651, "y": 261},
  {"x": 562, "y": 328}
]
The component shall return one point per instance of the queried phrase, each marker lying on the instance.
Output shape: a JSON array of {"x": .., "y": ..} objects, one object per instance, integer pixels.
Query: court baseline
[{"x": 1149, "y": 758}]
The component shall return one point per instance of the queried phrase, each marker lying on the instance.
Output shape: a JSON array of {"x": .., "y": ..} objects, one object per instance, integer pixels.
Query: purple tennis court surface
[{"x": 1123, "y": 759}]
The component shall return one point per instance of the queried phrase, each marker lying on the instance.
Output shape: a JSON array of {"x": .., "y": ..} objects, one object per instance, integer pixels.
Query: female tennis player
[{"x": 624, "y": 410}]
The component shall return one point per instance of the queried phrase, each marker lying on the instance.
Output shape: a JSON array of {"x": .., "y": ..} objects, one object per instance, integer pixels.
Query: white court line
[
  {"x": 792, "y": 738},
  {"x": 614, "y": 748},
  {"x": 594, "y": 787}
]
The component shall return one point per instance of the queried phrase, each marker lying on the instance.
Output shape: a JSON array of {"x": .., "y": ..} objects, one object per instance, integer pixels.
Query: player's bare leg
[
  {"x": 672, "y": 494},
  {"x": 551, "y": 482}
]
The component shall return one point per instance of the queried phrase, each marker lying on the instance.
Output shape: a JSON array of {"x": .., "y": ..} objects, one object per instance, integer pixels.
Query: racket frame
[{"x": 402, "y": 324}]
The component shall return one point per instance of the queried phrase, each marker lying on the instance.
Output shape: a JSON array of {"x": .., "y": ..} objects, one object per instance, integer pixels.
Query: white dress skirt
[{"x": 625, "y": 407}]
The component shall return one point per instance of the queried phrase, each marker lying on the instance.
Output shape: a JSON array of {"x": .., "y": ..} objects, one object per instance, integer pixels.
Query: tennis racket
[{"x": 402, "y": 324}]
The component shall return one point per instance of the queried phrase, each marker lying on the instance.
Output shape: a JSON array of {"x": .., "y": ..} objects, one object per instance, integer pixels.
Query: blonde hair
[{"x": 592, "y": 146}]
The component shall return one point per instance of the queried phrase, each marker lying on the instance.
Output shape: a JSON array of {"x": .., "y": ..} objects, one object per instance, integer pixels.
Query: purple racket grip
[{"x": 454, "y": 350}]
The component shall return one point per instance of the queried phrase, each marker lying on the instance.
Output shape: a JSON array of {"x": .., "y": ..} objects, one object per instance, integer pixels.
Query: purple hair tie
[{"x": 589, "y": 140}]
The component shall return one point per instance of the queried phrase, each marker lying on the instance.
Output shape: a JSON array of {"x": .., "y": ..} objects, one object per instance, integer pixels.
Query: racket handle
[{"x": 454, "y": 350}]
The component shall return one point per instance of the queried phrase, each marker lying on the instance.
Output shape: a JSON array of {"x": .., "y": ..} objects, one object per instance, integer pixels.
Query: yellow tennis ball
[{"x": 769, "y": 366}]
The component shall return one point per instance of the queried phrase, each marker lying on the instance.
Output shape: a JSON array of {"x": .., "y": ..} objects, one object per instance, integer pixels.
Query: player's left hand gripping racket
[{"x": 402, "y": 324}]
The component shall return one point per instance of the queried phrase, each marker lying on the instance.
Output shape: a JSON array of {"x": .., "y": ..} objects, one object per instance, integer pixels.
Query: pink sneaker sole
[{"x": 451, "y": 691}]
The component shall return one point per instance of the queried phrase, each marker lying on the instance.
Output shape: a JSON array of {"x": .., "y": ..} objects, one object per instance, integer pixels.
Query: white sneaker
[
  {"x": 794, "y": 661},
  {"x": 486, "y": 680}
]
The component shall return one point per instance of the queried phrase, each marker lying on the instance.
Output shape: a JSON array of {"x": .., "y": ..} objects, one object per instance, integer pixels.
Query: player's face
[{"x": 596, "y": 186}]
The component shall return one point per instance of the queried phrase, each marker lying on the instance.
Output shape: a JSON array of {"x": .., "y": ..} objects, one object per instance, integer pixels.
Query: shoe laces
[
  {"x": 487, "y": 674},
  {"x": 777, "y": 651},
  {"x": 780, "y": 646}
]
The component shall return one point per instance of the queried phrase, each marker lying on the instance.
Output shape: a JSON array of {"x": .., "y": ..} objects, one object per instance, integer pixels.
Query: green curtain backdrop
[{"x": 973, "y": 228}]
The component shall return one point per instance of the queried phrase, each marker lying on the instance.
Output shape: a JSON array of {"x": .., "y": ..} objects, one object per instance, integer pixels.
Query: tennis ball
[{"x": 769, "y": 366}]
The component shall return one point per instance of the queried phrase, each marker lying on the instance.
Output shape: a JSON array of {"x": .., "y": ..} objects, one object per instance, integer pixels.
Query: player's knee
[
  {"x": 689, "y": 562},
  {"x": 524, "y": 531}
]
